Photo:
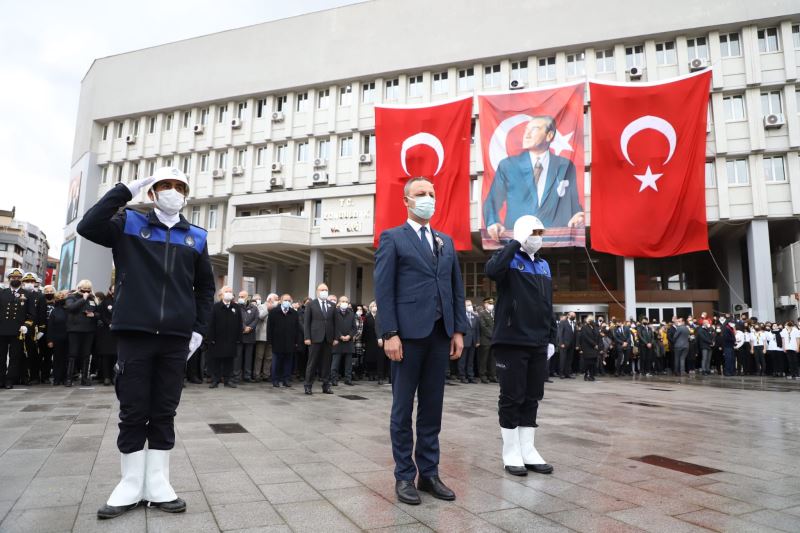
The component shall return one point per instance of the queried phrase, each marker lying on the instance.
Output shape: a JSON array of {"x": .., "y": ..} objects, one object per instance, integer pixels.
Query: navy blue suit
[{"x": 420, "y": 294}]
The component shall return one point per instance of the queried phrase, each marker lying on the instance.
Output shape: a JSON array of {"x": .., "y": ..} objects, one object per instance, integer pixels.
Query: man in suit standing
[
  {"x": 680, "y": 347},
  {"x": 421, "y": 297},
  {"x": 566, "y": 344},
  {"x": 624, "y": 342},
  {"x": 486, "y": 364},
  {"x": 472, "y": 338},
  {"x": 344, "y": 329},
  {"x": 319, "y": 337}
]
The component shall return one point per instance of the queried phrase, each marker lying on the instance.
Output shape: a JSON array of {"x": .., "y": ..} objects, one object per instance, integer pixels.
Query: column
[
  {"x": 735, "y": 276},
  {"x": 316, "y": 270},
  {"x": 262, "y": 285},
  {"x": 273, "y": 282},
  {"x": 235, "y": 271},
  {"x": 350, "y": 282},
  {"x": 630, "y": 288},
  {"x": 760, "y": 265}
]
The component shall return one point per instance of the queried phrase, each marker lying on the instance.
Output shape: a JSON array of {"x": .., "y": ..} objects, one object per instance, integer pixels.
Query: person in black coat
[
  {"x": 589, "y": 343},
  {"x": 82, "y": 315},
  {"x": 56, "y": 337},
  {"x": 224, "y": 335},
  {"x": 472, "y": 340},
  {"x": 344, "y": 328},
  {"x": 319, "y": 337},
  {"x": 105, "y": 343},
  {"x": 285, "y": 335},
  {"x": 373, "y": 344},
  {"x": 565, "y": 338}
]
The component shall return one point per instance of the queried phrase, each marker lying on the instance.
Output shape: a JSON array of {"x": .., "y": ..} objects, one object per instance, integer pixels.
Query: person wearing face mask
[
  {"x": 728, "y": 337},
  {"x": 565, "y": 339},
  {"x": 358, "y": 344},
  {"x": 466, "y": 363},
  {"x": 262, "y": 358},
  {"x": 344, "y": 330},
  {"x": 790, "y": 337},
  {"x": 105, "y": 343},
  {"x": 243, "y": 365},
  {"x": 45, "y": 351},
  {"x": 31, "y": 369},
  {"x": 82, "y": 316},
  {"x": 318, "y": 335},
  {"x": 589, "y": 343},
  {"x": 17, "y": 314},
  {"x": 646, "y": 346},
  {"x": 375, "y": 356},
  {"x": 285, "y": 335},
  {"x": 775, "y": 356},
  {"x": 224, "y": 338},
  {"x": 524, "y": 339},
  {"x": 486, "y": 362},
  {"x": 164, "y": 290},
  {"x": 56, "y": 337}
]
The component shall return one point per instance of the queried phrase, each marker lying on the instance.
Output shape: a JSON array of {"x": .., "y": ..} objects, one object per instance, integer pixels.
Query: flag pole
[{"x": 630, "y": 288}]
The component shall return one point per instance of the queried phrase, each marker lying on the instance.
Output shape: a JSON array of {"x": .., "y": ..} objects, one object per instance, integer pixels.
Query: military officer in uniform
[
  {"x": 16, "y": 319},
  {"x": 33, "y": 357}
]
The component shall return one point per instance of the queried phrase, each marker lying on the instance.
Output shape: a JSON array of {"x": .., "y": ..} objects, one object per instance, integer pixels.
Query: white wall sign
[{"x": 347, "y": 217}]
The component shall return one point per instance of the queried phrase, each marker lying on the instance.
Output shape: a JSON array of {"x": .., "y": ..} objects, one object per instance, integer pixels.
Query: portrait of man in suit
[{"x": 534, "y": 182}]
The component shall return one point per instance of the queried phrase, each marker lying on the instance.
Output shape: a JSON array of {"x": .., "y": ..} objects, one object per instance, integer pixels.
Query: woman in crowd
[
  {"x": 57, "y": 337},
  {"x": 757, "y": 349},
  {"x": 224, "y": 335},
  {"x": 375, "y": 356},
  {"x": 105, "y": 343},
  {"x": 775, "y": 351},
  {"x": 358, "y": 343},
  {"x": 791, "y": 345},
  {"x": 589, "y": 343},
  {"x": 82, "y": 311}
]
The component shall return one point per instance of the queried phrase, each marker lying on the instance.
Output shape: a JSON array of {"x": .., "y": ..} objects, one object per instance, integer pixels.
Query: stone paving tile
[
  {"x": 521, "y": 520},
  {"x": 182, "y": 523},
  {"x": 407, "y": 528},
  {"x": 367, "y": 509},
  {"x": 324, "y": 476},
  {"x": 588, "y": 522},
  {"x": 722, "y": 522},
  {"x": 135, "y": 520},
  {"x": 314, "y": 517},
  {"x": 770, "y": 501},
  {"x": 694, "y": 496},
  {"x": 50, "y": 519},
  {"x": 245, "y": 515},
  {"x": 652, "y": 521},
  {"x": 298, "y": 491},
  {"x": 445, "y": 516},
  {"x": 53, "y": 492},
  {"x": 229, "y": 487},
  {"x": 776, "y": 519}
]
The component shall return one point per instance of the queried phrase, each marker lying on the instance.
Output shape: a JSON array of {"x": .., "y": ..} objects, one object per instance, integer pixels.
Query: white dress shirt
[
  {"x": 544, "y": 159},
  {"x": 428, "y": 233}
]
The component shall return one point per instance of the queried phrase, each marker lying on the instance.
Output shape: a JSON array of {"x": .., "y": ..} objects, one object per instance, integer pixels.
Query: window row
[{"x": 738, "y": 173}]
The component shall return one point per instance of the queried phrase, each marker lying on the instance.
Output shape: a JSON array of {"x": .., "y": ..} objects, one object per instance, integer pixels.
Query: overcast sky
[{"x": 46, "y": 47}]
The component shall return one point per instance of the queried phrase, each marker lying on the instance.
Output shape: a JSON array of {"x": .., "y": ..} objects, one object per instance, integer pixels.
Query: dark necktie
[
  {"x": 423, "y": 233},
  {"x": 537, "y": 171}
]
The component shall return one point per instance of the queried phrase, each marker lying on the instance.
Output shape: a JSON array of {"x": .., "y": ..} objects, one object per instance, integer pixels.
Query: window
[
  {"x": 134, "y": 171},
  {"x": 368, "y": 143},
  {"x": 698, "y": 48},
  {"x": 734, "y": 108},
  {"x": 280, "y": 153},
  {"x": 212, "y": 217},
  {"x": 729, "y": 45},
  {"x": 439, "y": 83},
  {"x": 323, "y": 149},
  {"x": 665, "y": 53},
  {"x": 168, "y": 162},
  {"x": 796, "y": 36},
  {"x": 280, "y": 103},
  {"x": 634, "y": 56},
  {"x": 203, "y": 162},
  {"x": 222, "y": 113},
  {"x": 151, "y": 125},
  {"x": 771, "y": 103},
  {"x": 519, "y": 70},
  {"x": 222, "y": 160},
  {"x": 604, "y": 61},
  {"x": 547, "y": 68},
  {"x": 168, "y": 122},
  {"x": 187, "y": 118},
  {"x": 118, "y": 132},
  {"x": 135, "y": 127},
  {"x": 186, "y": 164},
  {"x": 260, "y": 156},
  {"x": 392, "y": 89},
  {"x": 323, "y": 99},
  {"x": 117, "y": 173},
  {"x": 491, "y": 76},
  {"x": 368, "y": 92},
  {"x": 104, "y": 175},
  {"x": 576, "y": 64},
  {"x": 302, "y": 102},
  {"x": 345, "y": 95},
  {"x": 151, "y": 167},
  {"x": 241, "y": 110},
  {"x": 466, "y": 79},
  {"x": 768, "y": 40},
  {"x": 414, "y": 86},
  {"x": 105, "y": 132},
  {"x": 204, "y": 116},
  {"x": 317, "y": 212},
  {"x": 241, "y": 156},
  {"x": 737, "y": 171},
  {"x": 711, "y": 180},
  {"x": 774, "y": 169},
  {"x": 346, "y": 147},
  {"x": 195, "y": 215},
  {"x": 261, "y": 104},
  {"x": 302, "y": 152}
]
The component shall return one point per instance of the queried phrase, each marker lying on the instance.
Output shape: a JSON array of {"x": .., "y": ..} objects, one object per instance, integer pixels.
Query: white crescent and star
[
  {"x": 648, "y": 122},
  {"x": 497, "y": 144},
  {"x": 422, "y": 138}
]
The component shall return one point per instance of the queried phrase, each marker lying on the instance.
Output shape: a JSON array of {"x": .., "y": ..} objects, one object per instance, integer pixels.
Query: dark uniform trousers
[
  {"x": 32, "y": 358},
  {"x": 149, "y": 384},
  {"x": 486, "y": 361},
  {"x": 11, "y": 345},
  {"x": 521, "y": 371},
  {"x": 319, "y": 357},
  {"x": 422, "y": 372},
  {"x": 565, "y": 361}
]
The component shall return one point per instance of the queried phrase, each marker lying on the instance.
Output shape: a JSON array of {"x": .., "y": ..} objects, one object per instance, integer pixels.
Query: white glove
[
  {"x": 39, "y": 335},
  {"x": 523, "y": 228},
  {"x": 551, "y": 350},
  {"x": 137, "y": 185},
  {"x": 23, "y": 330},
  {"x": 194, "y": 344}
]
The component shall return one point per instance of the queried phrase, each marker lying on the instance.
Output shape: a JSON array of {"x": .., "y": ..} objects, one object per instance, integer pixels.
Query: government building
[{"x": 274, "y": 125}]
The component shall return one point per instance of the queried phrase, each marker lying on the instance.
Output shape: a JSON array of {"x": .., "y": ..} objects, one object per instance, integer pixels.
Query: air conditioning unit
[
  {"x": 698, "y": 64},
  {"x": 236, "y": 123},
  {"x": 740, "y": 308},
  {"x": 320, "y": 163},
  {"x": 318, "y": 178},
  {"x": 276, "y": 181},
  {"x": 277, "y": 166},
  {"x": 784, "y": 301},
  {"x": 238, "y": 170},
  {"x": 635, "y": 73},
  {"x": 198, "y": 129},
  {"x": 218, "y": 173},
  {"x": 365, "y": 159},
  {"x": 277, "y": 116},
  {"x": 130, "y": 139},
  {"x": 773, "y": 120},
  {"x": 516, "y": 84}
]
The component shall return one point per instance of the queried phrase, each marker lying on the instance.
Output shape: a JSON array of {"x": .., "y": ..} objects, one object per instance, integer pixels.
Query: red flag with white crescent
[{"x": 431, "y": 141}]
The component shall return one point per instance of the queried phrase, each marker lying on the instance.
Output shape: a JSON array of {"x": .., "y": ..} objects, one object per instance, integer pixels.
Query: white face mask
[
  {"x": 490, "y": 307},
  {"x": 241, "y": 301},
  {"x": 169, "y": 201},
  {"x": 344, "y": 306},
  {"x": 469, "y": 308},
  {"x": 227, "y": 296},
  {"x": 373, "y": 310},
  {"x": 27, "y": 286},
  {"x": 323, "y": 295},
  {"x": 424, "y": 207},
  {"x": 258, "y": 302},
  {"x": 532, "y": 244},
  {"x": 359, "y": 312}
]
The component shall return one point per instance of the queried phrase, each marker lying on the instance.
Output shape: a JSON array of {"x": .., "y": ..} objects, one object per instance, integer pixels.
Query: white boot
[
  {"x": 156, "y": 481},
  {"x": 512, "y": 457},
  {"x": 131, "y": 488},
  {"x": 530, "y": 456}
]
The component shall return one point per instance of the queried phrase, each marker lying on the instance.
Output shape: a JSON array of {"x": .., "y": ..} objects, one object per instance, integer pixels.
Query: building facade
[
  {"x": 22, "y": 245},
  {"x": 274, "y": 125}
]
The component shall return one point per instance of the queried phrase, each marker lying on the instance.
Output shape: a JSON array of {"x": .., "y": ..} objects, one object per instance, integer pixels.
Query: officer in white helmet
[
  {"x": 522, "y": 341},
  {"x": 164, "y": 290}
]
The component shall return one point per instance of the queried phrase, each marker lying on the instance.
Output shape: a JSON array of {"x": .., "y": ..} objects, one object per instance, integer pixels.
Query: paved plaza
[{"x": 323, "y": 463}]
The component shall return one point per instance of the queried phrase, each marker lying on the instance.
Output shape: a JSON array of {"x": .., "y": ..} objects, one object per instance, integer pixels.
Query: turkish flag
[
  {"x": 648, "y": 155},
  {"x": 428, "y": 141}
]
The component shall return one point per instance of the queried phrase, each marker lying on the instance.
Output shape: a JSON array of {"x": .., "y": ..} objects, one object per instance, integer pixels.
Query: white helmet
[
  {"x": 525, "y": 224},
  {"x": 169, "y": 173}
]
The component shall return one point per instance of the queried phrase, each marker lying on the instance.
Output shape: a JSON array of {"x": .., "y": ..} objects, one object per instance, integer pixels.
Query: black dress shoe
[
  {"x": 326, "y": 390},
  {"x": 213, "y": 385},
  {"x": 110, "y": 511},
  {"x": 436, "y": 488},
  {"x": 406, "y": 492},
  {"x": 196, "y": 381},
  {"x": 493, "y": 380},
  {"x": 287, "y": 384},
  {"x": 463, "y": 380},
  {"x": 548, "y": 380},
  {"x": 516, "y": 470},
  {"x": 231, "y": 384},
  {"x": 10, "y": 386},
  {"x": 484, "y": 380},
  {"x": 175, "y": 506},
  {"x": 307, "y": 389},
  {"x": 540, "y": 469},
  {"x": 349, "y": 383}
]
